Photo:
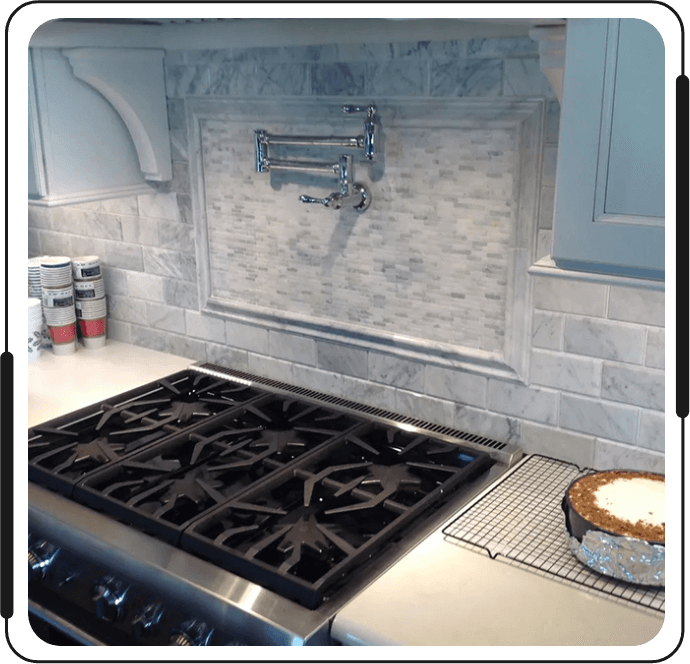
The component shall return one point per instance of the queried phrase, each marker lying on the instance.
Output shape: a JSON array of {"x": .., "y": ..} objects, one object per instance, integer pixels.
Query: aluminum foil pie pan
[{"x": 625, "y": 558}]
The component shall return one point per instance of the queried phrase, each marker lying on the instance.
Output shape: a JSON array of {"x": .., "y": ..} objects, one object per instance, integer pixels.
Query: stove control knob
[
  {"x": 147, "y": 619},
  {"x": 109, "y": 595},
  {"x": 42, "y": 555},
  {"x": 191, "y": 633}
]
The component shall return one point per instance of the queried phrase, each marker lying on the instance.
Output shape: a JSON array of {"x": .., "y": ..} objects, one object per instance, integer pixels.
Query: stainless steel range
[{"x": 213, "y": 507}]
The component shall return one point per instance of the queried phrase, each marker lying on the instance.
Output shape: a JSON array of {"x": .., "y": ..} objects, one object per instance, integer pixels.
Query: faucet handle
[
  {"x": 311, "y": 199},
  {"x": 370, "y": 109}
]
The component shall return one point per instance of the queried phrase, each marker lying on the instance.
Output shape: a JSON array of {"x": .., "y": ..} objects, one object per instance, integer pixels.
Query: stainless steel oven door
[{"x": 53, "y": 629}]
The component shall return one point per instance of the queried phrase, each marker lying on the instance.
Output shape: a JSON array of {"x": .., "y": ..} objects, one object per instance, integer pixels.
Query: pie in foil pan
[{"x": 614, "y": 521}]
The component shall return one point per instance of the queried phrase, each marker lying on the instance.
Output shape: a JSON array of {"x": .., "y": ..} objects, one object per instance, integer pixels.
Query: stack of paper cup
[
  {"x": 35, "y": 328},
  {"x": 35, "y": 277},
  {"x": 89, "y": 290},
  {"x": 36, "y": 293},
  {"x": 91, "y": 314},
  {"x": 58, "y": 303}
]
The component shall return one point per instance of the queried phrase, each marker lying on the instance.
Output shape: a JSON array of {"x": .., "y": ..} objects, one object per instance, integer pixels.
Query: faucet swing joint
[{"x": 349, "y": 193}]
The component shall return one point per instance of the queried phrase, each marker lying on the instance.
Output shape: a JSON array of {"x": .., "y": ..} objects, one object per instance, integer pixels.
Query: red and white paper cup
[
  {"x": 92, "y": 332},
  {"x": 64, "y": 338}
]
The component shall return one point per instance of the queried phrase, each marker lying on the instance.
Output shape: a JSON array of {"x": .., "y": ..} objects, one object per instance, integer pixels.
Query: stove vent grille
[{"x": 339, "y": 402}]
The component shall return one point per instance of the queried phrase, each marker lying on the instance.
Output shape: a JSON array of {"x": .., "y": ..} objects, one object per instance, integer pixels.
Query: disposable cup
[
  {"x": 58, "y": 297},
  {"x": 92, "y": 327},
  {"x": 91, "y": 308},
  {"x": 89, "y": 289},
  {"x": 53, "y": 262},
  {"x": 93, "y": 342},
  {"x": 56, "y": 317},
  {"x": 35, "y": 336},
  {"x": 65, "y": 349},
  {"x": 85, "y": 267},
  {"x": 55, "y": 279},
  {"x": 63, "y": 334}
]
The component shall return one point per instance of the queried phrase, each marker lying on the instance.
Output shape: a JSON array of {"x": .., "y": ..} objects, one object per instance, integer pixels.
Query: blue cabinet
[{"x": 609, "y": 207}]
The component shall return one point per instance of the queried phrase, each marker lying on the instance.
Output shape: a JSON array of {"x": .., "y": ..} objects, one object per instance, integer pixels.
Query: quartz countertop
[
  {"x": 444, "y": 594},
  {"x": 439, "y": 594},
  {"x": 60, "y": 384}
]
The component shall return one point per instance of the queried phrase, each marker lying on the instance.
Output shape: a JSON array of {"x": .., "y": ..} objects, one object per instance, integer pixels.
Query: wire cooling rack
[{"x": 520, "y": 520}]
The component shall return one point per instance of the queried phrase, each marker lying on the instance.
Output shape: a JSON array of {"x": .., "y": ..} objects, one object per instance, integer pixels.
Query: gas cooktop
[{"x": 294, "y": 491}]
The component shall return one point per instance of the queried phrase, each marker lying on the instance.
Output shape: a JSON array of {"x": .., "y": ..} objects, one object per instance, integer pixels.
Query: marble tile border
[{"x": 525, "y": 115}]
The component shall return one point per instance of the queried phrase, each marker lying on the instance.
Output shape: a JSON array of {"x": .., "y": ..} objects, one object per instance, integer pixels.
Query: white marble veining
[
  {"x": 610, "y": 454},
  {"x": 466, "y": 78},
  {"x": 465, "y": 388},
  {"x": 520, "y": 78},
  {"x": 159, "y": 206},
  {"x": 226, "y": 356},
  {"x": 392, "y": 370},
  {"x": 366, "y": 392},
  {"x": 565, "y": 372},
  {"x": 599, "y": 418},
  {"x": 204, "y": 327},
  {"x": 655, "y": 354},
  {"x": 140, "y": 230},
  {"x": 126, "y": 256},
  {"x": 167, "y": 263},
  {"x": 485, "y": 423},
  {"x": 570, "y": 297},
  {"x": 165, "y": 317},
  {"x": 633, "y": 385},
  {"x": 559, "y": 443},
  {"x": 527, "y": 402},
  {"x": 343, "y": 359},
  {"x": 292, "y": 347},
  {"x": 424, "y": 408},
  {"x": 547, "y": 330},
  {"x": 652, "y": 434},
  {"x": 327, "y": 382},
  {"x": 247, "y": 336},
  {"x": 605, "y": 339},
  {"x": 637, "y": 306},
  {"x": 261, "y": 365}
]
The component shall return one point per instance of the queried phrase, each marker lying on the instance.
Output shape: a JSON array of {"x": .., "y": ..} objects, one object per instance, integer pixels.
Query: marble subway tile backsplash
[{"x": 594, "y": 392}]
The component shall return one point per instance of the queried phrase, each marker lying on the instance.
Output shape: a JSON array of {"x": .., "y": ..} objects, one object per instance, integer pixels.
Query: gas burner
[
  {"x": 182, "y": 412},
  {"x": 300, "y": 537},
  {"x": 98, "y": 451},
  {"x": 195, "y": 487},
  {"x": 386, "y": 480},
  {"x": 126, "y": 413}
]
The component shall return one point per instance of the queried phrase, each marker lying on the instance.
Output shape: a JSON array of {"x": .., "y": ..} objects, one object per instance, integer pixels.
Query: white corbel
[
  {"x": 133, "y": 81},
  {"x": 551, "y": 40}
]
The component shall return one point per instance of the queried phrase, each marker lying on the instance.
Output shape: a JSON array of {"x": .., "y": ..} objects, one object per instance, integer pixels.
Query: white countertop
[
  {"x": 444, "y": 594},
  {"x": 439, "y": 594},
  {"x": 60, "y": 384}
]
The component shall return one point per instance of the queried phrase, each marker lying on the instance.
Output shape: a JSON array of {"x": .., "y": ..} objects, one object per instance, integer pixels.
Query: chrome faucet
[
  {"x": 349, "y": 193},
  {"x": 355, "y": 194}
]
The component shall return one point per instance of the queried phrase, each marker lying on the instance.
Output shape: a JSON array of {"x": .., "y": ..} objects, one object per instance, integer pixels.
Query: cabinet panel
[
  {"x": 610, "y": 178},
  {"x": 85, "y": 147},
  {"x": 635, "y": 166}
]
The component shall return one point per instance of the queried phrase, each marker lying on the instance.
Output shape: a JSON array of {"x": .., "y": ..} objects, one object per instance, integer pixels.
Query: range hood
[{"x": 221, "y": 33}]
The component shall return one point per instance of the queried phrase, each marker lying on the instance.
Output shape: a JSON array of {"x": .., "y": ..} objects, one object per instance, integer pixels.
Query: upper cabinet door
[{"x": 609, "y": 210}]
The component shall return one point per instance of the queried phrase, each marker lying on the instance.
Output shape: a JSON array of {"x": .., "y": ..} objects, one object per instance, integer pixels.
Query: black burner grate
[{"x": 520, "y": 520}]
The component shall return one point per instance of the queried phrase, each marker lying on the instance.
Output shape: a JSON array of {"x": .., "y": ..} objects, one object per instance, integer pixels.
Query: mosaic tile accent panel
[{"x": 430, "y": 260}]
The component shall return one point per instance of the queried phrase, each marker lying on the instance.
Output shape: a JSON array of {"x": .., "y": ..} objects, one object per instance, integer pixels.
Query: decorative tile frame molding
[{"x": 452, "y": 227}]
